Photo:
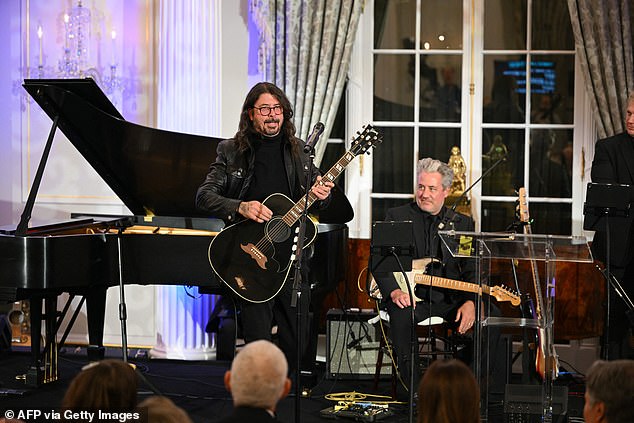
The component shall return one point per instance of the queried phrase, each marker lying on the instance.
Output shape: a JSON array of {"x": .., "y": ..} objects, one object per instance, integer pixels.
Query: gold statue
[{"x": 456, "y": 162}]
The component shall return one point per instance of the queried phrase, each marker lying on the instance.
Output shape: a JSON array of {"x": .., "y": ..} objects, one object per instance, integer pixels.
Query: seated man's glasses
[{"x": 266, "y": 110}]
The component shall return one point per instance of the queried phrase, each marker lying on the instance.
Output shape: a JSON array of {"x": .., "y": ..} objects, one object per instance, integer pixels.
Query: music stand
[
  {"x": 602, "y": 202},
  {"x": 392, "y": 247},
  {"x": 391, "y": 250}
]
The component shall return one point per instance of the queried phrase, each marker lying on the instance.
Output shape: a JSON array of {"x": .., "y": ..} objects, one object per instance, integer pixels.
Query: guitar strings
[{"x": 265, "y": 243}]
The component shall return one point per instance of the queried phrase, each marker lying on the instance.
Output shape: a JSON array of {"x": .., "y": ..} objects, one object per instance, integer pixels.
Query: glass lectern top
[{"x": 517, "y": 246}]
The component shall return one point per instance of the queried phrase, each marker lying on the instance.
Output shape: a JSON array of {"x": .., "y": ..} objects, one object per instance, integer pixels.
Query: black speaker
[
  {"x": 352, "y": 345},
  {"x": 523, "y": 403}
]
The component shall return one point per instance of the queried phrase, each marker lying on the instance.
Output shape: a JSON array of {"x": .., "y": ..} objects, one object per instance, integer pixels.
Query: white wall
[
  {"x": 9, "y": 22},
  {"x": 68, "y": 179},
  {"x": 17, "y": 164}
]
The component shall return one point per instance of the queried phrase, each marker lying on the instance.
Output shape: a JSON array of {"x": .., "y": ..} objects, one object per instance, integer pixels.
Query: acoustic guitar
[{"x": 254, "y": 259}]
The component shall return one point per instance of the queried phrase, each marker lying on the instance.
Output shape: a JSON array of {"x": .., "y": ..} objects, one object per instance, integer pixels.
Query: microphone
[
  {"x": 449, "y": 217},
  {"x": 313, "y": 137},
  {"x": 493, "y": 166},
  {"x": 354, "y": 342}
]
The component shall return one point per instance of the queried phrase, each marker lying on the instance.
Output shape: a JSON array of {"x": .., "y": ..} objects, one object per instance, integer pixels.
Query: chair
[{"x": 428, "y": 343}]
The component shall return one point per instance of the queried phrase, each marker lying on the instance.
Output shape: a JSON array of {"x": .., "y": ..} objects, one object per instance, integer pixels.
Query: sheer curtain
[
  {"x": 603, "y": 39},
  {"x": 305, "y": 48},
  {"x": 187, "y": 101}
]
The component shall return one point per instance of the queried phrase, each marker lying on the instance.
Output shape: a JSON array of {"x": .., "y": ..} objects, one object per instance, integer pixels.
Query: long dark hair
[{"x": 245, "y": 127}]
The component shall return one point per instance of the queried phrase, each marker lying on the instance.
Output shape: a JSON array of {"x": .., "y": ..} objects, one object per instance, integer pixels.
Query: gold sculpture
[
  {"x": 458, "y": 185},
  {"x": 456, "y": 162}
]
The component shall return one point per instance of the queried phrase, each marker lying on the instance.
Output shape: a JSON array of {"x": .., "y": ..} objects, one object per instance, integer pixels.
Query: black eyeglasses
[{"x": 266, "y": 110}]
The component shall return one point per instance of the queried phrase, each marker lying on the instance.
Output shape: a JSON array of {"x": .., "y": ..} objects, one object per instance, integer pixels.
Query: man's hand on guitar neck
[
  {"x": 255, "y": 210},
  {"x": 322, "y": 188}
]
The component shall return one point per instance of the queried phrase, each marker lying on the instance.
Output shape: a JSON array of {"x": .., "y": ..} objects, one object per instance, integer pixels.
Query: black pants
[
  {"x": 259, "y": 318},
  {"x": 401, "y": 335},
  {"x": 620, "y": 334}
]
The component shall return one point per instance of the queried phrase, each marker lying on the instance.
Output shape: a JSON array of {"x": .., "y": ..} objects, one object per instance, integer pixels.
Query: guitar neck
[
  {"x": 295, "y": 212},
  {"x": 424, "y": 279},
  {"x": 535, "y": 275}
]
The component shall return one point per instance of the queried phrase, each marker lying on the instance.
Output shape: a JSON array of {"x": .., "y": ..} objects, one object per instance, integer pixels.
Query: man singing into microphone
[
  {"x": 264, "y": 157},
  {"x": 429, "y": 215}
]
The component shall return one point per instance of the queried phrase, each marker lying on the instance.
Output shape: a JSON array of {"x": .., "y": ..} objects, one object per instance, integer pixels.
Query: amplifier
[{"x": 352, "y": 345}]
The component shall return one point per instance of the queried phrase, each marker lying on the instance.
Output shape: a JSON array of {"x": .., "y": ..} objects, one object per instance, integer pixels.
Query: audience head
[
  {"x": 448, "y": 393},
  {"x": 610, "y": 392},
  {"x": 258, "y": 376},
  {"x": 161, "y": 409},
  {"x": 104, "y": 385}
]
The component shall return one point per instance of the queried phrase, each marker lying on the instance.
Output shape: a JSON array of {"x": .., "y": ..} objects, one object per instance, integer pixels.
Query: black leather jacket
[{"x": 229, "y": 177}]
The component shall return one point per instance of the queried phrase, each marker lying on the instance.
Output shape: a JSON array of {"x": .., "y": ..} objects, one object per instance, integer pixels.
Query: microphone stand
[
  {"x": 297, "y": 284},
  {"x": 123, "y": 315},
  {"x": 464, "y": 193},
  {"x": 616, "y": 285},
  {"x": 413, "y": 340}
]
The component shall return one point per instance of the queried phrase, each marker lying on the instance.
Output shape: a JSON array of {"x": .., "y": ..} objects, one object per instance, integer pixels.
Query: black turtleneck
[{"x": 269, "y": 173}]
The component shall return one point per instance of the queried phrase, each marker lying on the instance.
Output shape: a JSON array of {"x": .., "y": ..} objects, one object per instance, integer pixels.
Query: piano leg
[
  {"x": 44, "y": 362},
  {"x": 96, "y": 311},
  {"x": 33, "y": 375}
]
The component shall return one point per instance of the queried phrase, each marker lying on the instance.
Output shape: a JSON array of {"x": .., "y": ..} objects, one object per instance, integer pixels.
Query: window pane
[
  {"x": 552, "y": 89},
  {"x": 394, "y": 87},
  {"x": 380, "y": 206},
  {"x": 393, "y": 162},
  {"x": 394, "y": 22},
  {"x": 508, "y": 175},
  {"x": 549, "y": 218},
  {"x": 551, "y": 163},
  {"x": 505, "y": 24},
  {"x": 437, "y": 142},
  {"x": 440, "y": 79},
  {"x": 551, "y": 29},
  {"x": 504, "y": 89},
  {"x": 441, "y": 24},
  {"x": 497, "y": 216}
]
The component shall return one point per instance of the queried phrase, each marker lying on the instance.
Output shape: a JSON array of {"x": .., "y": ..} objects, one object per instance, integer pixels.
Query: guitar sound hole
[{"x": 277, "y": 230}]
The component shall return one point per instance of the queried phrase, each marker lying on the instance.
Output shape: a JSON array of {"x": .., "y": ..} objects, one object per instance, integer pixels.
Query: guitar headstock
[
  {"x": 502, "y": 293},
  {"x": 366, "y": 139},
  {"x": 522, "y": 198}
]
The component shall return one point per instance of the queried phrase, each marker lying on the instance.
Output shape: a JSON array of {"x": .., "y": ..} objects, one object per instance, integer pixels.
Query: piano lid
[{"x": 153, "y": 171}]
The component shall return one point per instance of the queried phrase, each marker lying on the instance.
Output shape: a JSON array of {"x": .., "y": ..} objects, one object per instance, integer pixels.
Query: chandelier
[{"x": 77, "y": 60}]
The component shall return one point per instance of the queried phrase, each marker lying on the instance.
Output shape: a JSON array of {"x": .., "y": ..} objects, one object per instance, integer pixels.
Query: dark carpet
[{"x": 197, "y": 387}]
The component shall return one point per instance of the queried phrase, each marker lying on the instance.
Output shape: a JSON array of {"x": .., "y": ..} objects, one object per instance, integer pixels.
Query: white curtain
[
  {"x": 305, "y": 48},
  {"x": 187, "y": 101},
  {"x": 189, "y": 66}
]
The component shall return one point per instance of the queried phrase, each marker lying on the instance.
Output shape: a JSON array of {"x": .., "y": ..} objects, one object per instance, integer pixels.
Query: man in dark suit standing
[
  {"x": 429, "y": 215},
  {"x": 614, "y": 164}
]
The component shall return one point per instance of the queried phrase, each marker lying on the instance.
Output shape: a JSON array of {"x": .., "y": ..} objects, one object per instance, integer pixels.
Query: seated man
[
  {"x": 609, "y": 392},
  {"x": 429, "y": 214},
  {"x": 257, "y": 381}
]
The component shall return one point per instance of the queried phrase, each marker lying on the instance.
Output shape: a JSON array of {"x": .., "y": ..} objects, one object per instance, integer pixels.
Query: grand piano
[{"x": 155, "y": 173}]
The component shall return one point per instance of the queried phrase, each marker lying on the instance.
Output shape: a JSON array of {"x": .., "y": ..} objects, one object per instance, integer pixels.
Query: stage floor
[{"x": 198, "y": 388}]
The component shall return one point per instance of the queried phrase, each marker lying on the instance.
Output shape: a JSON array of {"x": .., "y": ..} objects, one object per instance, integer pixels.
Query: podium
[{"x": 543, "y": 251}]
